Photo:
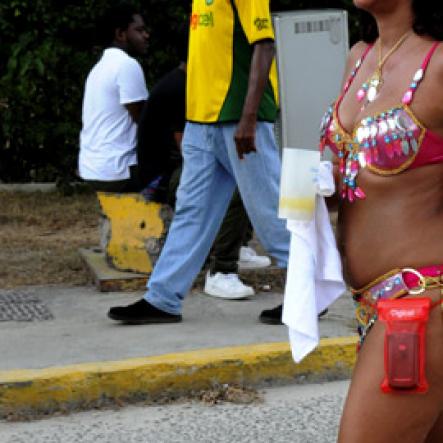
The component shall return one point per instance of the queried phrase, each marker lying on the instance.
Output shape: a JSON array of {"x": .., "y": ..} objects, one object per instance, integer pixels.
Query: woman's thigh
[
  {"x": 375, "y": 417},
  {"x": 436, "y": 433}
]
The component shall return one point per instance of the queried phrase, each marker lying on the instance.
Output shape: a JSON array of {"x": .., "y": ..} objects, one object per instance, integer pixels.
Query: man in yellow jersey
[{"x": 228, "y": 141}]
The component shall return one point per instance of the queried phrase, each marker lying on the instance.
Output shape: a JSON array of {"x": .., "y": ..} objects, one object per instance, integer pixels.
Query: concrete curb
[
  {"x": 108, "y": 279},
  {"x": 89, "y": 385},
  {"x": 28, "y": 187},
  {"x": 37, "y": 186}
]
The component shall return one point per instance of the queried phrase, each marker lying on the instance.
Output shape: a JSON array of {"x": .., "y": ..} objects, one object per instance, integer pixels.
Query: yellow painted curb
[{"x": 87, "y": 385}]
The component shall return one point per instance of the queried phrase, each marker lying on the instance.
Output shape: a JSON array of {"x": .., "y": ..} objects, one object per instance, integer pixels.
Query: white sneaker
[
  {"x": 226, "y": 286},
  {"x": 248, "y": 259}
]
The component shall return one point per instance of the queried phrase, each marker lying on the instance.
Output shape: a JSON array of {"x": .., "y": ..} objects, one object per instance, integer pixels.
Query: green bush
[{"x": 46, "y": 52}]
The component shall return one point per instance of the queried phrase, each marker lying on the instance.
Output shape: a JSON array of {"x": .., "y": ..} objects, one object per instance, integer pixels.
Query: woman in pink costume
[{"x": 386, "y": 130}]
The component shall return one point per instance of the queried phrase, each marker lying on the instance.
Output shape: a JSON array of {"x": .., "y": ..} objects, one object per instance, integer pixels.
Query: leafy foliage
[{"x": 46, "y": 51}]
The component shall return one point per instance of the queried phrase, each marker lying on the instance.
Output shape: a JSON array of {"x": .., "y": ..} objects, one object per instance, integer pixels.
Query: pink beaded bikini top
[{"x": 386, "y": 143}]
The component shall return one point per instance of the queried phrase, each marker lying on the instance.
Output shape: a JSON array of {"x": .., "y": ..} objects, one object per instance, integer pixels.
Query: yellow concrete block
[{"x": 135, "y": 227}]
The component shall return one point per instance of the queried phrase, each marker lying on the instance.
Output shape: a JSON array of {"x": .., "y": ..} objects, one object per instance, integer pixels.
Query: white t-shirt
[{"x": 108, "y": 136}]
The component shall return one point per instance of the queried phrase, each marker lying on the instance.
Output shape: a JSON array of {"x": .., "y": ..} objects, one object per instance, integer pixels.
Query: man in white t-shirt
[{"x": 114, "y": 95}]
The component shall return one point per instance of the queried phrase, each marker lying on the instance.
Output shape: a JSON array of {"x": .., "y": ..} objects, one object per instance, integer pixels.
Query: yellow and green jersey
[{"x": 222, "y": 33}]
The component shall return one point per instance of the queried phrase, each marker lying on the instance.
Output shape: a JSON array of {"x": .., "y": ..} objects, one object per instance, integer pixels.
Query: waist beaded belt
[
  {"x": 394, "y": 284},
  {"x": 399, "y": 282}
]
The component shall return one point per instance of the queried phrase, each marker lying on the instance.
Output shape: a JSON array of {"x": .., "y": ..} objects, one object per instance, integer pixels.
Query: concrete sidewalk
[{"x": 79, "y": 358}]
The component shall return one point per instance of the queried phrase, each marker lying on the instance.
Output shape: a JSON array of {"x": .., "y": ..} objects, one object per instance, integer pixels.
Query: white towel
[{"x": 314, "y": 277}]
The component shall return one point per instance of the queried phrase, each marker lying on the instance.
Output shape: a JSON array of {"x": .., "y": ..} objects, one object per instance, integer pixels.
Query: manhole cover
[{"x": 19, "y": 306}]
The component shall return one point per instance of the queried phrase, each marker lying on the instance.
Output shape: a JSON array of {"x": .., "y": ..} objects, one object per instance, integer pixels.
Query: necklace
[{"x": 370, "y": 88}]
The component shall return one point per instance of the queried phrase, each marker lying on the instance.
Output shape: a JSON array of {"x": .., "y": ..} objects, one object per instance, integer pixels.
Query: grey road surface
[{"x": 292, "y": 414}]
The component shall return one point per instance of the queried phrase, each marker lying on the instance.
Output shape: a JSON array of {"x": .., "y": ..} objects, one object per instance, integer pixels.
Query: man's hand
[
  {"x": 245, "y": 136},
  {"x": 178, "y": 137}
]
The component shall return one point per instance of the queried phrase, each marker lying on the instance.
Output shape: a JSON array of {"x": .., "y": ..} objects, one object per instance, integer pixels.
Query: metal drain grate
[{"x": 20, "y": 306}]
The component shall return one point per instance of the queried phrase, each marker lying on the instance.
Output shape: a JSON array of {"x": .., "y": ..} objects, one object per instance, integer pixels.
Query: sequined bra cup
[{"x": 386, "y": 143}]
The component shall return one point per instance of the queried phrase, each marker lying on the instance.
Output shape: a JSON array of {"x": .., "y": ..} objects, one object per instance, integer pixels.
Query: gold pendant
[{"x": 374, "y": 85}]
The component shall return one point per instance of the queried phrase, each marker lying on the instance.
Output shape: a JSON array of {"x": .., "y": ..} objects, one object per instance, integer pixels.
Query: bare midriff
[{"x": 399, "y": 224}]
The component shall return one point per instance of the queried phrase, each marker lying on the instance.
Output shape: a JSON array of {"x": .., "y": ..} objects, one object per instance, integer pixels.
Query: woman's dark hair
[
  {"x": 428, "y": 21},
  {"x": 117, "y": 17}
]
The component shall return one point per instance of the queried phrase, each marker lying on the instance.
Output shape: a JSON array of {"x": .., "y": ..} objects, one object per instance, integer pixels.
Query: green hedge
[{"x": 46, "y": 52}]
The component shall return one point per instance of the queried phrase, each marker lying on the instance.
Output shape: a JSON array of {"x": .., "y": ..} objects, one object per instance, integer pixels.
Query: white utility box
[{"x": 312, "y": 47}]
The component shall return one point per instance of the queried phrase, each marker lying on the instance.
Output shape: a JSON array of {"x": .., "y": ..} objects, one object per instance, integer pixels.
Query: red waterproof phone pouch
[{"x": 405, "y": 343}]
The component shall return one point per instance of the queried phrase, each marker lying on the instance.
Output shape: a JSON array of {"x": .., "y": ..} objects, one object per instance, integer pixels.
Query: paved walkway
[{"x": 80, "y": 331}]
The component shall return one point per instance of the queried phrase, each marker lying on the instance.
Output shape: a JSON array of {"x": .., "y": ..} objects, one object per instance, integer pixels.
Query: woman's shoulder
[
  {"x": 429, "y": 100},
  {"x": 434, "y": 70},
  {"x": 357, "y": 50},
  {"x": 437, "y": 59}
]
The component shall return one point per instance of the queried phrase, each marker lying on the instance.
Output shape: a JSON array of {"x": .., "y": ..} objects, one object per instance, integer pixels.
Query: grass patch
[{"x": 40, "y": 234}]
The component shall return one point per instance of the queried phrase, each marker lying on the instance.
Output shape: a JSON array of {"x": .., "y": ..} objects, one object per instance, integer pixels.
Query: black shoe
[
  {"x": 140, "y": 313},
  {"x": 322, "y": 313},
  {"x": 272, "y": 316}
]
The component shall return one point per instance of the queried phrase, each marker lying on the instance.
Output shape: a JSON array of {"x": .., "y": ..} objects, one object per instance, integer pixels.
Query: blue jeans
[{"x": 210, "y": 173}]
